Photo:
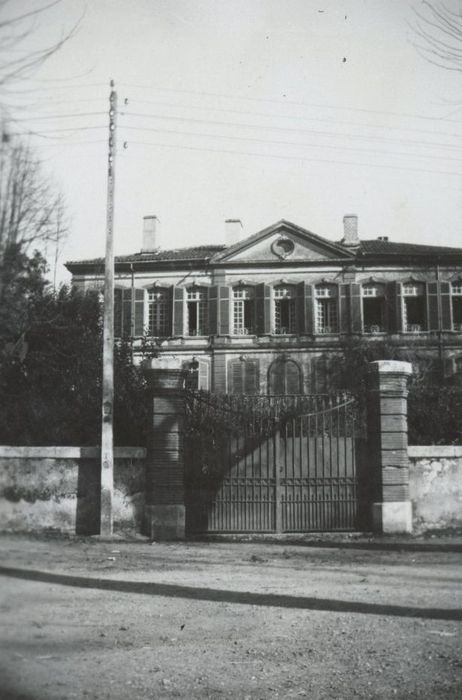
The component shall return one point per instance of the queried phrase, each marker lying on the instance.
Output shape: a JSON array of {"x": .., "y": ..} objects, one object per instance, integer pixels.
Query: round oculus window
[{"x": 283, "y": 247}]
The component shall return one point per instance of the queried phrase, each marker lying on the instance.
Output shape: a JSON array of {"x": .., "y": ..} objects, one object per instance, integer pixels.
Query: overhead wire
[
  {"x": 292, "y": 143},
  {"x": 268, "y": 127},
  {"x": 297, "y": 117},
  {"x": 52, "y": 133},
  {"x": 27, "y": 91},
  {"x": 58, "y": 116},
  {"x": 286, "y": 102},
  {"x": 300, "y": 159}
]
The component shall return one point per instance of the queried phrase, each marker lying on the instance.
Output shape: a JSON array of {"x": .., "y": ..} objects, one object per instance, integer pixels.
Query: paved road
[{"x": 93, "y": 619}]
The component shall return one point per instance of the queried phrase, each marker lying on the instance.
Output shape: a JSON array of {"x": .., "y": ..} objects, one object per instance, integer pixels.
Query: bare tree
[
  {"x": 16, "y": 60},
  {"x": 439, "y": 34},
  {"x": 31, "y": 210}
]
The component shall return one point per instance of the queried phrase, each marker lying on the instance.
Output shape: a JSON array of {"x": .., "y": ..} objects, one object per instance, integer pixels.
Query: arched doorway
[{"x": 284, "y": 377}]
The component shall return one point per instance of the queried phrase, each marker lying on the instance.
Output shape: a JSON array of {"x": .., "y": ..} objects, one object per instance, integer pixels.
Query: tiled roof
[
  {"x": 371, "y": 248},
  {"x": 201, "y": 252},
  {"x": 381, "y": 247}
]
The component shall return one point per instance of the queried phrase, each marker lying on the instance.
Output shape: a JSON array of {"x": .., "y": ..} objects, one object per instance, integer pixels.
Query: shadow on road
[{"x": 237, "y": 597}]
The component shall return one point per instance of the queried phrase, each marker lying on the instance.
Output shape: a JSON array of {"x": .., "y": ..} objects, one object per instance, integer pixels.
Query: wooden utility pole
[{"x": 107, "y": 436}]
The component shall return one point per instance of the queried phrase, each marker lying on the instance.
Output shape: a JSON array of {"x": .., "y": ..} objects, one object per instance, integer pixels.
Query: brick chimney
[
  {"x": 151, "y": 226},
  {"x": 233, "y": 231}
]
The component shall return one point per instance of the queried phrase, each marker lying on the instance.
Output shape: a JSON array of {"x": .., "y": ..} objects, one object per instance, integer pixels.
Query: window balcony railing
[
  {"x": 243, "y": 331},
  {"x": 374, "y": 328},
  {"x": 325, "y": 330},
  {"x": 413, "y": 328},
  {"x": 283, "y": 330}
]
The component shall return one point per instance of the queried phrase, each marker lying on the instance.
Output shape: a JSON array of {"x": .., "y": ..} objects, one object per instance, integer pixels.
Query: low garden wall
[
  {"x": 435, "y": 486},
  {"x": 58, "y": 488}
]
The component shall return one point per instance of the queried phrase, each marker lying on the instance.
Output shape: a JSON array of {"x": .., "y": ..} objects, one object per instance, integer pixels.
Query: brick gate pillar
[
  {"x": 165, "y": 501},
  {"x": 387, "y": 445}
]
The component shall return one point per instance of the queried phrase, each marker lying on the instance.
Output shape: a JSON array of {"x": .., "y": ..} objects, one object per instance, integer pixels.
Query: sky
[{"x": 254, "y": 109}]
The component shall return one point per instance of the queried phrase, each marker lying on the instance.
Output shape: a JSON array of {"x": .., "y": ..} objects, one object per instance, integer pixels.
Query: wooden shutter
[
  {"x": 445, "y": 292},
  {"x": 304, "y": 308},
  {"x": 244, "y": 376},
  {"x": 139, "y": 312},
  {"x": 203, "y": 378},
  {"x": 355, "y": 308},
  {"x": 263, "y": 309},
  {"x": 178, "y": 311},
  {"x": 432, "y": 306},
  {"x": 213, "y": 310},
  {"x": 236, "y": 376},
  {"x": 309, "y": 309},
  {"x": 224, "y": 310},
  {"x": 344, "y": 308},
  {"x": 118, "y": 312},
  {"x": 126, "y": 329},
  {"x": 394, "y": 307},
  {"x": 170, "y": 310},
  {"x": 251, "y": 377}
]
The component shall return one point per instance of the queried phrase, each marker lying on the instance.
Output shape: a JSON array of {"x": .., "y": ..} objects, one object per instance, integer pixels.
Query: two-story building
[{"x": 266, "y": 313}]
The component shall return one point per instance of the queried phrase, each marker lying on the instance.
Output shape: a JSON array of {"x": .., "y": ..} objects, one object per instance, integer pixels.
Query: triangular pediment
[{"x": 281, "y": 242}]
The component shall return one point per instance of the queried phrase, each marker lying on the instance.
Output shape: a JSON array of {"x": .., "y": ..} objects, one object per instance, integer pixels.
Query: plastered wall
[
  {"x": 57, "y": 488},
  {"x": 435, "y": 486}
]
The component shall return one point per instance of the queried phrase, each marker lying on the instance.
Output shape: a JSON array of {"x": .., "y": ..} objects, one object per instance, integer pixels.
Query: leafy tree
[
  {"x": 434, "y": 401},
  {"x": 22, "y": 284},
  {"x": 51, "y": 366}
]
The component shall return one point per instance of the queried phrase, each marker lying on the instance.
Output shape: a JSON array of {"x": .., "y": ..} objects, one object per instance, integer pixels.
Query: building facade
[{"x": 270, "y": 312}]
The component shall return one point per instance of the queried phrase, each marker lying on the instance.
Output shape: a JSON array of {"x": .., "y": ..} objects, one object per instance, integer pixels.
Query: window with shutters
[
  {"x": 326, "y": 308},
  {"x": 284, "y": 377},
  {"x": 133, "y": 309},
  {"x": 244, "y": 376},
  {"x": 197, "y": 374},
  {"x": 159, "y": 312},
  {"x": 243, "y": 310},
  {"x": 196, "y": 307},
  {"x": 373, "y": 303},
  {"x": 456, "y": 304},
  {"x": 414, "y": 314},
  {"x": 284, "y": 321}
]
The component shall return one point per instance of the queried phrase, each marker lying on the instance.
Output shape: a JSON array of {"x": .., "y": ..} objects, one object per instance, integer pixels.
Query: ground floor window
[
  {"x": 284, "y": 377},
  {"x": 197, "y": 374},
  {"x": 244, "y": 376}
]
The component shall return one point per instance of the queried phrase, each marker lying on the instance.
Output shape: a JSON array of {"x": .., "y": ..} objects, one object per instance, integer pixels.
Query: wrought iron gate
[{"x": 272, "y": 464}]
